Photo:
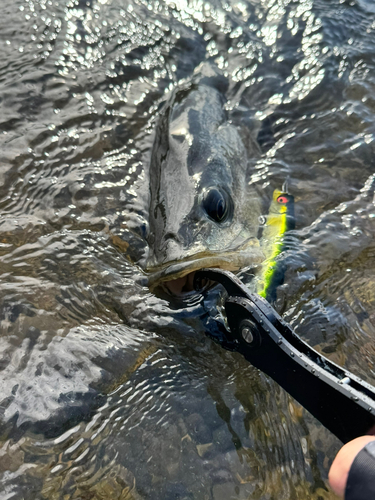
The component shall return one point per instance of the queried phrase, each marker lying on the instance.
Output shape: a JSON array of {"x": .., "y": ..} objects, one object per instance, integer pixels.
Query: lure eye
[
  {"x": 282, "y": 199},
  {"x": 216, "y": 205}
]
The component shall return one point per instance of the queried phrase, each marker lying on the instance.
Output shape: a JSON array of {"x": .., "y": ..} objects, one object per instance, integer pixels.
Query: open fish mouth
[{"x": 177, "y": 278}]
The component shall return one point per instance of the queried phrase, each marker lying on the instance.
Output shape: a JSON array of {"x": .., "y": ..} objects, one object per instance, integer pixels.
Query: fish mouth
[{"x": 177, "y": 278}]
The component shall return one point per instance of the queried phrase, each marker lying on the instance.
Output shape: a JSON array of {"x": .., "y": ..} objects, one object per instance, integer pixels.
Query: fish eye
[
  {"x": 282, "y": 199},
  {"x": 216, "y": 205}
]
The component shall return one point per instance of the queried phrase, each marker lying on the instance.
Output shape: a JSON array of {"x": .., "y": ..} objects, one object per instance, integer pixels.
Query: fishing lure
[{"x": 280, "y": 219}]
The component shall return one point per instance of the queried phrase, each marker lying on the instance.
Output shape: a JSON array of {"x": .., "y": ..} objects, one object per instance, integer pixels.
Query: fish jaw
[{"x": 177, "y": 276}]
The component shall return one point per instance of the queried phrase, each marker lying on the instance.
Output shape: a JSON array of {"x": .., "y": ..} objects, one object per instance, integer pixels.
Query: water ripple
[{"x": 91, "y": 407}]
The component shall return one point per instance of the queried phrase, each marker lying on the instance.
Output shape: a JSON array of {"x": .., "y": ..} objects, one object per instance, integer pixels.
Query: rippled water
[{"x": 107, "y": 391}]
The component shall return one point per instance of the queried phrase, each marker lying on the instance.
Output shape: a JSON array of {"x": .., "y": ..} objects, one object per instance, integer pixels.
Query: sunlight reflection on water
[{"x": 109, "y": 391}]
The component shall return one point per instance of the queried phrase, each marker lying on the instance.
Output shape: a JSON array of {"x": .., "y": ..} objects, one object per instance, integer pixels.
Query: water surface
[{"x": 108, "y": 391}]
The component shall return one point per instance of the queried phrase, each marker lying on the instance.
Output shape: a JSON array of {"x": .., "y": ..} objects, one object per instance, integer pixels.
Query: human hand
[{"x": 338, "y": 474}]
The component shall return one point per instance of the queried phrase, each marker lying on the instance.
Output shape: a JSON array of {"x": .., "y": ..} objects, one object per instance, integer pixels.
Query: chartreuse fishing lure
[{"x": 280, "y": 219}]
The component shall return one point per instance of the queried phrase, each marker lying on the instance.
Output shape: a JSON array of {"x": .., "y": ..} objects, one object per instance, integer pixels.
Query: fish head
[{"x": 203, "y": 212}]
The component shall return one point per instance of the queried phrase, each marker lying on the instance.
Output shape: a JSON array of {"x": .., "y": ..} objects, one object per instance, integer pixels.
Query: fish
[
  {"x": 203, "y": 210},
  {"x": 280, "y": 219}
]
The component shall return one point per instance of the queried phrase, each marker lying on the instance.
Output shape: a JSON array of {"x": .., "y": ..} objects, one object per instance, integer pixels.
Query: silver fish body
[{"x": 203, "y": 212}]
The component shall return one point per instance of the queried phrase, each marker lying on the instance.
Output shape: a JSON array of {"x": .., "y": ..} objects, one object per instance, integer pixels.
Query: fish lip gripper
[{"x": 341, "y": 401}]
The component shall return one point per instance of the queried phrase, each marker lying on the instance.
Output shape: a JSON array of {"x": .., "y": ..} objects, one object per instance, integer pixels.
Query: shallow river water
[{"x": 107, "y": 390}]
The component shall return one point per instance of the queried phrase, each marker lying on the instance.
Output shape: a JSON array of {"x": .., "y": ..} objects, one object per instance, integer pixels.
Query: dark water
[{"x": 107, "y": 391}]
